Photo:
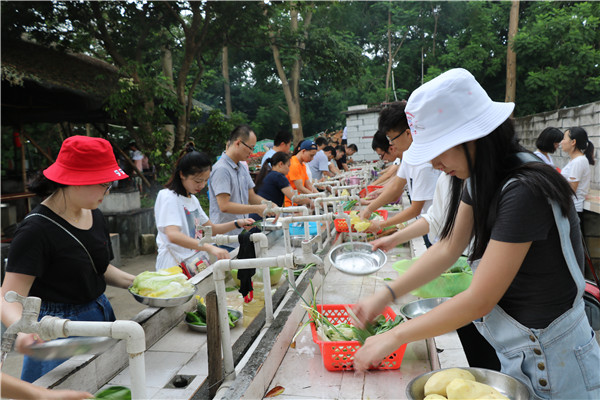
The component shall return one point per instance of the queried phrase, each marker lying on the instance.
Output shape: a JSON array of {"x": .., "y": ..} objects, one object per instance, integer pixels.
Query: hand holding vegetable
[
  {"x": 247, "y": 223},
  {"x": 374, "y": 226},
  {"x": 367, "y": 309},
  {"x": 375, "y": 349}
]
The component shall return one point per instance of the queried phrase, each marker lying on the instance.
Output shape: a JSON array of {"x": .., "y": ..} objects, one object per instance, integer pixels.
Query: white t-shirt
[
  {"x": 545, "y": 158},
  {"x": 420, "y": 181},
  {"x": 397, "y": 161},
  {"x": 578, "y": 170},
  {"x": 184, "y": 212},
  {"x": 308, "y": 172},
  {"x": 437, "y": 213}
]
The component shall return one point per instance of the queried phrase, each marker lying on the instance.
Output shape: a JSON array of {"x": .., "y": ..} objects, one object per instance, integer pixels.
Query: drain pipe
[
  {"x": 53, "y": 327},
  {"x": 219, "y": 269}
]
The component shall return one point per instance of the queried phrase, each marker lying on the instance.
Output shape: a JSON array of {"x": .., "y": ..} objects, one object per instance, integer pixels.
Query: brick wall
[{"x": 361, "y": 125}]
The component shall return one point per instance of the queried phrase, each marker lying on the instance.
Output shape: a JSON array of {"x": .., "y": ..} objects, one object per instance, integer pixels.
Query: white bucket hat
[{"x": 447, "y": 111}]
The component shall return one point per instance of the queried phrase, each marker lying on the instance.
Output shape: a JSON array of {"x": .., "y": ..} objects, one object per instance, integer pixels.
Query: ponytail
[
  {"x": 583, "y": 143},
  {"x": 589, "y": 153},
  {"x": 267, "y": 166}
]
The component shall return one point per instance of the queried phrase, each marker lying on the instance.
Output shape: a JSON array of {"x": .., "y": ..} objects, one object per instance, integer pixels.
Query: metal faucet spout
[{"x": 28, "y": 322}]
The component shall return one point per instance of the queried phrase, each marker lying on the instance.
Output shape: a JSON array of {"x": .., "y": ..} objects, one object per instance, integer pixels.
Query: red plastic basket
[
  {"x": 370, "y": 188},
  {"x": 342, "y": 226},
  {"x": 339, "y": 356}
]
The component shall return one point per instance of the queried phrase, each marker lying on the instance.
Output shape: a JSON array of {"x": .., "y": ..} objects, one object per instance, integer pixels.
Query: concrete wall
[
  {"x": 586, "y": 116},
  {"x": 361, "y": 123},
  {"x": 131, "y": 225}
]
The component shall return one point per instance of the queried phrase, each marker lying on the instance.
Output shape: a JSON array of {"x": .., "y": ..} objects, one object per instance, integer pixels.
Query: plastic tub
[{"x": 446, "y": 285}]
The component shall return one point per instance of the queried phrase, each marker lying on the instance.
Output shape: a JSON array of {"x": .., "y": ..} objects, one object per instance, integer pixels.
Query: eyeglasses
[
  {"x": 107, "y": 186},
  {"x": 397, "y": 136},
  {"x": 251, "y": 148}
]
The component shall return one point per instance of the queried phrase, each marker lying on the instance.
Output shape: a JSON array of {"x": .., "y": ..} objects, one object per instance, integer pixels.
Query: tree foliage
[{"x": 340, "y": 53}]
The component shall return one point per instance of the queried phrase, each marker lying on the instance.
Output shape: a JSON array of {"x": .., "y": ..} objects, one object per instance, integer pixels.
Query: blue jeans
[{"x": 96, "y": 310}]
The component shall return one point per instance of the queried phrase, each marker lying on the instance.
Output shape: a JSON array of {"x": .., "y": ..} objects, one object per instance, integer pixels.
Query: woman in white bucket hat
[{"x": 526, "y": 293}]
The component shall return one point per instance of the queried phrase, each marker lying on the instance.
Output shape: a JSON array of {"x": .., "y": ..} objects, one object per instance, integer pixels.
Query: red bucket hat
[{"x": 85, "y": 160}]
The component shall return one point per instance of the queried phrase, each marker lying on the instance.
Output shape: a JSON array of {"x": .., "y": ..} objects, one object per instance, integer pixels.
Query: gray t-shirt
[
  {"x": 319, "y": 164},
  {"x": 233, "y": 179}
]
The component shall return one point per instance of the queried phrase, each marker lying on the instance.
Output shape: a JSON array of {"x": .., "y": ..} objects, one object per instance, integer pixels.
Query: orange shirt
[{"x": 297, "y": 171}]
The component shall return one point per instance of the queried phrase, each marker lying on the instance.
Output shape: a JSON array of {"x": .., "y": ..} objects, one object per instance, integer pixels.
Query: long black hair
[
  {"x": 582, "y": 142},
  {"x": 493, "y": 166},
  {"x": 190, "y": 162},
  {"x": 267, "y": 166}
]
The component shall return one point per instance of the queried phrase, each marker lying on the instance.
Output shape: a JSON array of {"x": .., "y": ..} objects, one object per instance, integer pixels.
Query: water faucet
[
  {"x": 27, "y": 323},
  {"x": 271, "y": 209}
]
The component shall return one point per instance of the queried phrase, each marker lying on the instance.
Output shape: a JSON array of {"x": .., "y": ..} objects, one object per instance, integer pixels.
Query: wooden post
[{"x": 213, "y": 344}]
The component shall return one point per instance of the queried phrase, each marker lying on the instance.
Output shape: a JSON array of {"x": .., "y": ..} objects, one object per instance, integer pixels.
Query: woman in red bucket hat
[{"x": 61, "y": 252}]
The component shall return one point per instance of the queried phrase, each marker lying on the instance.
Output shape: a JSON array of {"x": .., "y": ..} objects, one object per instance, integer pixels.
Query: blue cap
[{"x": 308, "y": 145}]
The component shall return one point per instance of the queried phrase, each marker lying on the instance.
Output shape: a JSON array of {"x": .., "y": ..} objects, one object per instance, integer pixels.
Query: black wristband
[{"x": 236, "y": 224}]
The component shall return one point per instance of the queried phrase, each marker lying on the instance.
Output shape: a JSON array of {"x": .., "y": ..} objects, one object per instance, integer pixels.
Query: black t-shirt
[
  {"x": 270, "y": 189},
  {"x": 543, "y": 288},
  {"x": 62, "y": 269},
  {"x": 271, "y": 186}
]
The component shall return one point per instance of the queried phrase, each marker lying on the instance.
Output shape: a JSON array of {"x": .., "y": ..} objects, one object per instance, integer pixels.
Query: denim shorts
[{"x": 96, "y": 310}]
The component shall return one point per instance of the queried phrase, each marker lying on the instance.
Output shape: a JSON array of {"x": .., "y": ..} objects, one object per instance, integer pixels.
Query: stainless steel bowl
[
  {"x": 64, "y": 348},
  {"x": 505, "y": 384},
  {"x": 268, "y": 225},
  {"x": 420, "y": 307},
  {"x": 160, "y": 302},
  {"x": 357, "y": 258},
  {"x": 198, "y": 328}
]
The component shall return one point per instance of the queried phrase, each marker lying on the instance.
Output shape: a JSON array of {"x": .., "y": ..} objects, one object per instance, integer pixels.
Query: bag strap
[{"x": 69, "y": 233}]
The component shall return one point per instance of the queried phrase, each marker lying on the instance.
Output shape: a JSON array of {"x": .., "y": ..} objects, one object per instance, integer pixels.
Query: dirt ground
[{"x": 125, "y": 306}]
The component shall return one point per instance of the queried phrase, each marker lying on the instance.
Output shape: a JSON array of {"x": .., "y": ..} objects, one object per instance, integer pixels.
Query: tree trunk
[
  {"x": 511, "y": 57},
  {"x": 227, "y": 83},
  {"x": 167, "y": 69},
  {"x": 390, "y": 59},
  {"x": 291, "y": 86}
]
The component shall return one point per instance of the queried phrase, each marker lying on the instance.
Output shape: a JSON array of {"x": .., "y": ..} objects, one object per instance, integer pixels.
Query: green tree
[{"x": 558, "y": 46}]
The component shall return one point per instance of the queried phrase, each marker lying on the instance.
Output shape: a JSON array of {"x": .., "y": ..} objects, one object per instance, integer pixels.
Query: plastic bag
[{"x": 447, "y": 284}]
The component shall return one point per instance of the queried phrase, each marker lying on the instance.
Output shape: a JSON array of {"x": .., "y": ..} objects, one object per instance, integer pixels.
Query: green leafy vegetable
[
  {"x": 162, "y": 284},
  {"x": 114, "y": 393}
]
